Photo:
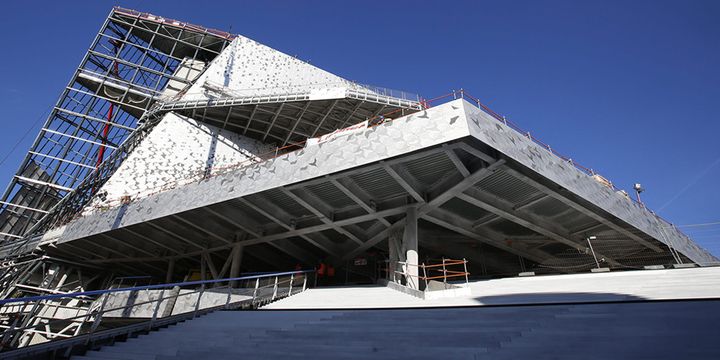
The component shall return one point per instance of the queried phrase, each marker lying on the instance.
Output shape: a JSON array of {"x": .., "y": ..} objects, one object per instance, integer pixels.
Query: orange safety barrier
[
  {"x": 173, "y": 22},
  {"x": 446, "y": 274}
]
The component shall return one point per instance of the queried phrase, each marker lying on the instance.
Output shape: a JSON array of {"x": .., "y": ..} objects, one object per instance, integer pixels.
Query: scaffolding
[{"x": 135, "y": 60}]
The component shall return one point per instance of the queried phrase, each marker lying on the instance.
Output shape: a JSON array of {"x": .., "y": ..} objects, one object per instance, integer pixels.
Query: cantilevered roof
[{"x": 473, "y": 179}]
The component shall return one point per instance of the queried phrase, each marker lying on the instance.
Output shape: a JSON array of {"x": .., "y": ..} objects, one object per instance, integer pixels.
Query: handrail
[
  {"x": 30, "y": 306},
  {"x": 148, "y": 287}
]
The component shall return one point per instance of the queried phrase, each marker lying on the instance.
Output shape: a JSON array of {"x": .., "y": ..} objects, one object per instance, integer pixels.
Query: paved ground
[{"x": 626, "y": 285}]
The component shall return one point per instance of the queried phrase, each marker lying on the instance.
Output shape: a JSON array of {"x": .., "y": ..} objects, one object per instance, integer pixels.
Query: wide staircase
[{"x": 686, "y": 329}]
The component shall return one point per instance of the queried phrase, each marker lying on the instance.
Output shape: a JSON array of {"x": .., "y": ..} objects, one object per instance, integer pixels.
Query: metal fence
[{"x": 48, "y": 319}]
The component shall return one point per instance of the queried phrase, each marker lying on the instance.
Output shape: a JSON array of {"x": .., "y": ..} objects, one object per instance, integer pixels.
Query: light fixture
[
  {"x": 638, "y": 189},
  {"x": 592, "y": 250}
]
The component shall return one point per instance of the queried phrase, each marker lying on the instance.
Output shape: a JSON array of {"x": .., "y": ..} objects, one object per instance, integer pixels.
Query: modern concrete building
[{"x": 186, "y": 158}]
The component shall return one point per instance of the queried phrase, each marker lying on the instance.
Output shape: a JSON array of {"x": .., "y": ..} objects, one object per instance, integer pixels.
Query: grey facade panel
[{"x": 523, "y": 150}]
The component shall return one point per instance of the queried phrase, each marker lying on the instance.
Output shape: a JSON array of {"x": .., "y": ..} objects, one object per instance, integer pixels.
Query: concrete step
[
  {"x": 329, "y": 352},
  {"x": 599, "y": 331},
  {"x": 118, "y": 355}
]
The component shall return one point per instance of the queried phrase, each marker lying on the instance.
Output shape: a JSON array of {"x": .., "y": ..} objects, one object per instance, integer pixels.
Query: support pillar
[
  {"x": 410, "y": 244},
  {"x": 203, "y": 267},
  {"x": 170, "y": 271},
  {"x": 237, "y": 254},
  {"x": 395, "y": 255}
]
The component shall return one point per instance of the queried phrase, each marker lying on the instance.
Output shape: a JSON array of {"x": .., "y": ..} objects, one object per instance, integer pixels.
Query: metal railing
[
  {"x": 40, "y": 316},
  {"x": 443, "y": 270},
  {"x": 172, "y": 22}
]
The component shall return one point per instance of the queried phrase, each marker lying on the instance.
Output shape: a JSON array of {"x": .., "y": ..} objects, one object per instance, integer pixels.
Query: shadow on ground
[{"x": 554, "y": 297}]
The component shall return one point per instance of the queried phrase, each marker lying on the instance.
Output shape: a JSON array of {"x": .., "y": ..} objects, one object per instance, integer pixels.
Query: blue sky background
[{"x": 628, "y": 88}]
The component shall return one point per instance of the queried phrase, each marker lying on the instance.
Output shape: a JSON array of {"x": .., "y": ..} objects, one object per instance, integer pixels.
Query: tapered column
[
  {"x": 410, "y": 244},
  {"x": 170, "y": 271},
  {"x": 237, "y": 254}
]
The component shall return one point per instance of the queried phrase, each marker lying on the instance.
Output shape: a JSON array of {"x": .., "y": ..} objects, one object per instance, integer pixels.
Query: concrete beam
[
  {"x": 487, "y": 219},
  {"x": 150, "y": 240},
  {"x": 357, "y": 195},
  {"x": 452, "y": 222},
  {"x": 201, "y": 229},
  {"x": 250, "y": 229},
  {"x": 319, "y": 209},
  {"x": 282, "y": 235},
  {"x": 173, "y": 234},
  {"x": 467, "y": 182},
  {"x": 495, "y": 205},
  {"x": 531, "y": 202},
  {"x": 282, "y": 218},
  {"x": 404, "y": 179},
  {"x": 456, "y": 161},
  {"x": 433, "y": 204},
  {"x": 556, "y": 195},
  {"x": 127, "y": 244}
]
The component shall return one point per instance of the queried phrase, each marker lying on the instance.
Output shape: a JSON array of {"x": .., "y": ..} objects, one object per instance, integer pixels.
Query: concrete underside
[
  {"x": 699, "y": 283},
  {"x": 482, "y": 192}
]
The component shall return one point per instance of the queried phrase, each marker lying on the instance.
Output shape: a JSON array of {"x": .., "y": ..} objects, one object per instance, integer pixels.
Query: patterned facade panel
[
  {"x": 401, "y": 136},
  {"x": 523, "y": 150}
]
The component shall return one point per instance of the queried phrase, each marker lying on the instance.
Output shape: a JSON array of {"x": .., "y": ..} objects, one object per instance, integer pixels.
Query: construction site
[{"x": 189, "y": 178}]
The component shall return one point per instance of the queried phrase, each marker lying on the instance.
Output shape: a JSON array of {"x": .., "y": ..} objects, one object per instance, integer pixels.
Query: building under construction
[{"x": 183, "y": 161}]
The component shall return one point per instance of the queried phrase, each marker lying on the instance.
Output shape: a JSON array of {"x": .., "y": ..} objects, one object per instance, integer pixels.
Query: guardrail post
[
  {"x": 257, "y": 285},
  {"x": 229, "y": 295},
  {"x": 157, "y": 308},
  {"x": 98, "y": 318},
  {"x": 68, "y": 351},
  {"x": 304, "y": 282},
  {"x": 292, "y": 278},
  {"x": 444, "y": 271},
  {"x": 275, "y": 288},
  {"x": 425, "y": 276},
  {"x": 197, "y": 304},
  {"x": 466, "y": 273}
]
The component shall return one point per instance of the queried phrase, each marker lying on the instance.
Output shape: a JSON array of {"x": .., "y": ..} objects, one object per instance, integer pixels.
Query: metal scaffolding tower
[{"x": 134, "y": 60}]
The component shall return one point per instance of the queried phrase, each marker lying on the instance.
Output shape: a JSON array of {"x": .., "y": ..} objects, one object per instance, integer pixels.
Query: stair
[{"x": 637, "y": 330}]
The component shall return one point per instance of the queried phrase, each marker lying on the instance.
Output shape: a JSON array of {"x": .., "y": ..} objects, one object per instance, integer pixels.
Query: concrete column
[
  {"x": 395, "y": 254},
  {"x": 170, "y": 271},
  {"x": 237, "y": 254},
  {"x": 203, "y": 267},
  {"x": 410, "y": 244}
]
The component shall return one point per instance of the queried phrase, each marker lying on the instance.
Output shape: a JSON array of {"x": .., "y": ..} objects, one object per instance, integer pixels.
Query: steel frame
[{"x": 147, "y": 51}]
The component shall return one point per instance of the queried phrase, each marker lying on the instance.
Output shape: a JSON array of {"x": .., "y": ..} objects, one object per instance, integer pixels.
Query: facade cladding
[{"x": 175, "y": 146}]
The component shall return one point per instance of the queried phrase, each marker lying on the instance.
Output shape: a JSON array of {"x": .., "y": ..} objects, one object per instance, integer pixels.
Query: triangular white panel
[
  {"x": 178, "y": 151},
  {"x": 248, "y": 68}
]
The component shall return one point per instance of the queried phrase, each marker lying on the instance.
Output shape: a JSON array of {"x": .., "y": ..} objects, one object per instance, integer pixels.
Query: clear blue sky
[{"x": 629, "y": 88}]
